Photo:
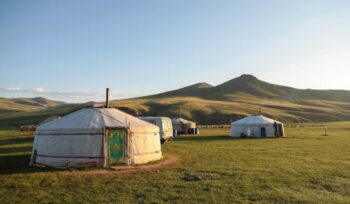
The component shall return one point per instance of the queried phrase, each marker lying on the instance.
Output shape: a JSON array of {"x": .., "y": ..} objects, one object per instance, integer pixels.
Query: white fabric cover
[
  {"x": 143, "y": 148},
  {"x": 94, "y": 120},
  {"x": 251, "y": 126},
  {"x": 70, "y": 146},
  {"x": 164, "y": 124},
  {"x": 255, "y": 120},
  {"x": 78, "y": 138},
  {"x": 178, "y": 124}
]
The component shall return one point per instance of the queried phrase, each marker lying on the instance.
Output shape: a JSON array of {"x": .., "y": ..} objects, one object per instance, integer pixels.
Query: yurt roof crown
[{"x": 255, "y": 120}]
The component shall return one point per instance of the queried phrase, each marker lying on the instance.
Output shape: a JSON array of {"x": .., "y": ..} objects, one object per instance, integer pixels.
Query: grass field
[{"x": 306, "y": 167}]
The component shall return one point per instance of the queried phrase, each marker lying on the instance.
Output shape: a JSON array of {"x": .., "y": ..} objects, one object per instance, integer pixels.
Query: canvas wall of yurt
[
  {"x": 164, "y": 124},
  {"x": 96, "y": 137},
  {"x": 257, "y": 126}
]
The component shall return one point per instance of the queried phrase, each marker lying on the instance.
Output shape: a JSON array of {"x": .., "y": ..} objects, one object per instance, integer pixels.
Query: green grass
[{"x": 306, "y": 167}]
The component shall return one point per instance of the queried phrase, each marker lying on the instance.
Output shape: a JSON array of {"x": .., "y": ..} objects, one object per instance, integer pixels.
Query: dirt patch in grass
[{"x": 201, "y": 176}]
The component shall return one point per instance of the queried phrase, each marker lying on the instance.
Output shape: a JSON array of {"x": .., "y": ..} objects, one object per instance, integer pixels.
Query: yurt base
[{"x": 167, "y": 161}]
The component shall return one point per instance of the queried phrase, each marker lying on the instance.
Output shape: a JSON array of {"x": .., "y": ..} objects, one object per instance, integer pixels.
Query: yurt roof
[
  {"x": 153, "y": 117},
  {"x": 180, "y": 120},
  {"x": 97, "y": 119},
  {"x": 255, "y": 120}
]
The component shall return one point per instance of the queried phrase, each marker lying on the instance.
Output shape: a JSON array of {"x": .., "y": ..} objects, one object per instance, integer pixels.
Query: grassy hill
[
  {"x": 242, "y": 96},
  {"x": 19, "y": 111},
  {"x": 207, "y": 104},
  {"x": 193, "y": 90},
  {"x": 26, "y": 104}
]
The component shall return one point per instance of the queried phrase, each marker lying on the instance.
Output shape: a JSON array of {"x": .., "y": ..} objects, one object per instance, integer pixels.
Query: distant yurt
[
  {"x": 257, "y": 126},
  {"x": 164, "y": 124},
  {"x": 183, "y": 126},
  {"x": 96, "y": 137}
]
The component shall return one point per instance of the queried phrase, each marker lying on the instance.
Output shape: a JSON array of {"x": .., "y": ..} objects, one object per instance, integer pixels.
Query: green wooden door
[{"x": 116, "y": 146}]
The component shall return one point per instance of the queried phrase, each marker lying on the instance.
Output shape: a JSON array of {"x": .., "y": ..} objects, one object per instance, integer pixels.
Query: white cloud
[
  {"x": 39, "y": 90},
  {"x": 14, "y": 89}
]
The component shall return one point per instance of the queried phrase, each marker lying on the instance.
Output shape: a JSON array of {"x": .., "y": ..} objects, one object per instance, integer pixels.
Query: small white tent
[
  {"x": 182, "y": 125},
  {"x": 96, "y": 137},
  {"x": 164, "y": 124},
  {"x": 257, "y": 126}
]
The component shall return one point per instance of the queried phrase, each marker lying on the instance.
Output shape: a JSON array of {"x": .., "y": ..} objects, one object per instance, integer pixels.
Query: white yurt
[
  {"x": 96, "y": 137},
  {"x": 164, "y": 124},
  {"x": 257, "y": 126},
  {"x": 182, "y": 125}
]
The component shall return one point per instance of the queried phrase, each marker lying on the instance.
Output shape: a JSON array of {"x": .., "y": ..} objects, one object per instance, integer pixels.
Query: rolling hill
[
  {"x": 26, "y": 104},
  {"x": 250, "y": 85},
  {"x": 207, "y": 104},
  {"x": 28, "y": 116},
  {"x": 242, "y": 96}
]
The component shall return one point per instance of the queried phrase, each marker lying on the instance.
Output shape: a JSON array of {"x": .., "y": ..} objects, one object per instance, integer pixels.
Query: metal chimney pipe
[{"x": 107, "y": 97}]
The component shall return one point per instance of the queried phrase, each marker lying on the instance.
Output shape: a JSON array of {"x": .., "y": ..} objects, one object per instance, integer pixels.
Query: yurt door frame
[
  {"x": 263, "y": 131},
  {"x": 116, "y": 141},
  {"x": 280, "y": 130}
]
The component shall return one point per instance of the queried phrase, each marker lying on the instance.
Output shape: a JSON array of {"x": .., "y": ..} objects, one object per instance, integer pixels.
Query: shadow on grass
[
  {"x": 16, "y": 140},
  {"x": 19, "y": 164},
  {"x": 15, "y": 159},
  {"x": 11, "y": 150},
  {"x": 13, "y": 155}
]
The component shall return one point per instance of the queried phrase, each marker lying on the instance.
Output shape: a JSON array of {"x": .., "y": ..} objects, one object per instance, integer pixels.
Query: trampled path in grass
[{"x": 306, "y": 167}]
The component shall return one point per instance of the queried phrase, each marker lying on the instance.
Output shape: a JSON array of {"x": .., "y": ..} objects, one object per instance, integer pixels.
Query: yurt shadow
[
  {"x": 18, "y": 164},
  {"x": 15, "y": 159},
  {"x": 11, "y": 150},
  {"x": 17, "y": 140}
]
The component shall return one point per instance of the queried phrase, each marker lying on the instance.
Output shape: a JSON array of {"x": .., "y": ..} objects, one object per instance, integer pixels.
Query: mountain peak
[
  {"x": 192, "y": 90},
  {"x": 201, "y": 85},
  {"x": 244, "y": 79},
  {"x": 248, "y": 77},
  {"x": 247, "y": 84}
]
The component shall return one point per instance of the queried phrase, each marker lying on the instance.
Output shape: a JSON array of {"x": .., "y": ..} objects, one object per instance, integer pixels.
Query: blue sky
[{"x": 72, "y": 50}]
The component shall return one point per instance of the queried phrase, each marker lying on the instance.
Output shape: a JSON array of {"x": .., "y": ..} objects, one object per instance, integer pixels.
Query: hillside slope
[
  {"x": 251, "y": 85},
  {"x": 208, "y": 104},
  {"x": 26, "y": 104},
  {"x": 242, "y": 96},
  {"x": 195, "y": 90}
]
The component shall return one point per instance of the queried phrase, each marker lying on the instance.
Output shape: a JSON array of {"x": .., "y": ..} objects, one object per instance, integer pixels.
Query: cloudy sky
[{"x": 72, "y": 50}]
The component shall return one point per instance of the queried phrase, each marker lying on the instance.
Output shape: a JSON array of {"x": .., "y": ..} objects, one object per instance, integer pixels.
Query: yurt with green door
[{"x": 96, "y": 137}]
